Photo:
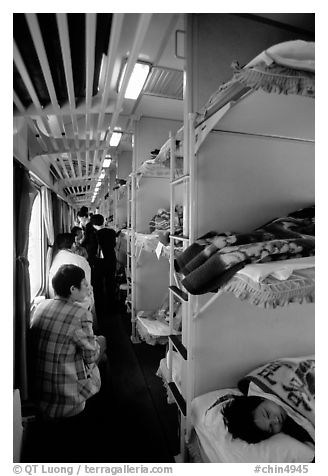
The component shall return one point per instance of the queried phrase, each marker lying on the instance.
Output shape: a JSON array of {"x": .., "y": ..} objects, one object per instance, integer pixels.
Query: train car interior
[{"x": 192, "y": 136}]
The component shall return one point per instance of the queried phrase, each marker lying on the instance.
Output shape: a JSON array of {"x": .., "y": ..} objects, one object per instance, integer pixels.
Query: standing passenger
[
  {"x": 83, "y": 217},
  {"x": 106, "y": 260},
  {"x": 65, "y": 255},
  {"x": 77, "y": 248}
]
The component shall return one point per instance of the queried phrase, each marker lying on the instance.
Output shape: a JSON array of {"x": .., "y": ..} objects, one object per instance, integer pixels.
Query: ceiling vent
[{"x": 164, "y": 82}]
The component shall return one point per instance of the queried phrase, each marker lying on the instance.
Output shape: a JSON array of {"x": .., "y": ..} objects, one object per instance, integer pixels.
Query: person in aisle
[
  {"x": 66, "y": 351},
  {"x": 83, "y": 217},
  {"x": 78, "y": 234},
  {"x": 105, "y": 261},
  {"x": 90, "y": 243},
  {"x": 65, "y": 255}
]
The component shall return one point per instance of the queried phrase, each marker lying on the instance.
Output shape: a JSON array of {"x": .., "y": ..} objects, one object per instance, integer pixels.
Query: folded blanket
[
  {"x": 161, "y": 221},
  {"x": 290, "y": 382},
  {"x": 214, "y": 258}
]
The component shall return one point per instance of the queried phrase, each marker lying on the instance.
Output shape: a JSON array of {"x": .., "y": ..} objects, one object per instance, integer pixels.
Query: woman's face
[
  {"x": 269, "y": 417},
  {"x": 79, "y": 237},
  {"x": 83, "y": 220}
]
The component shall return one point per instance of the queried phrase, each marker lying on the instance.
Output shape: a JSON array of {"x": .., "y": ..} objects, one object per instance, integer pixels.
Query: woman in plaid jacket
[{"x": 66, "y": 350}]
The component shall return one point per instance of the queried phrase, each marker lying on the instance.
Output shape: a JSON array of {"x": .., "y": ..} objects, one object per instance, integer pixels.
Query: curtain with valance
[
  {"x": 66, "y": 218},
  {"x": 57, "y": 214},
  {"x": 46, "y": 201},
  {"x": 24, "y": 195}
]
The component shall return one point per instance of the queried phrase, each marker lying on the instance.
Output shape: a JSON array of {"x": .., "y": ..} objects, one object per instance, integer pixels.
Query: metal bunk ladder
[
  {"x": 129, "y": 244},
  {"x": 131, "y": 248},
  {"x": 182, "y": 345}
]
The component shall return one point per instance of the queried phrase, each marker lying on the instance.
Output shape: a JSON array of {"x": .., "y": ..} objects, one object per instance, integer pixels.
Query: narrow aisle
[{"x": 140, "y": 434}]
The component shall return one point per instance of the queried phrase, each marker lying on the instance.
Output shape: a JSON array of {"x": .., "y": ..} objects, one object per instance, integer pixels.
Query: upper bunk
[
  {"x": 159, "y": 163},
  {"x": 254, "y": 147},
  {"x": 265, "y": 97}
]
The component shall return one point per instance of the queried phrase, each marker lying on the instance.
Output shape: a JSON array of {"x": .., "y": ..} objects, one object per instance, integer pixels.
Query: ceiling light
[
  {"x": 102, "y": 175},
  {"x": 137, "y": 79},
  {"x": 107, "y": 162},
  {"x": 115, "y": 139}
]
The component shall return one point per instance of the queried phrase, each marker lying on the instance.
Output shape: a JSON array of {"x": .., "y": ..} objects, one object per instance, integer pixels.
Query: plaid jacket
[{"x": 66, "y": 350}]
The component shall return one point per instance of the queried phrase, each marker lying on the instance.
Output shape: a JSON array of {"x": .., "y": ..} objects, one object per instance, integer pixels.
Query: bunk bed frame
[
  {"x": 147, "y": 272},
  {"x": 224, "y": 338}
]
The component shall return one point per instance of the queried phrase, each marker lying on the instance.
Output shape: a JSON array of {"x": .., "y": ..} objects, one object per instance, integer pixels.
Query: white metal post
[
  {"x": 172, "y": 206},
  {"x": 134, "y": 337}
]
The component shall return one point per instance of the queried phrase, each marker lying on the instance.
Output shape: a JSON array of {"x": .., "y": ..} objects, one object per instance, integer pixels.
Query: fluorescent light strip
[
  {"x": 137, "y": 80},
  {"x": 115, "y": 139},
  {"x": 107, "y": 162}
]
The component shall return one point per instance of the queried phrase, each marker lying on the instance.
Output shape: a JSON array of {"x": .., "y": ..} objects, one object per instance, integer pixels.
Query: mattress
[
  {"x": 209, "y": 450},
  {"x": 153, "y": 331},
  {"x": 163, "y": 373},
  {"x": 195, "y": 450},
  {"x": 273, "y": 290}
]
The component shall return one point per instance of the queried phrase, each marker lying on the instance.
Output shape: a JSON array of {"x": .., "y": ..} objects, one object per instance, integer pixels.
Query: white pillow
[
  {"x": 220, "y": 447},
  {"x": 296, "y": 54}
]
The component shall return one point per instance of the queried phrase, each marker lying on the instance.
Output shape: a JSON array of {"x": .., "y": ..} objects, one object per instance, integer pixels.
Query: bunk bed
[
  {"x": 149, "y": 251},
  {"x": 254, "y": 145},
  {"x": 152, "y": 325}
]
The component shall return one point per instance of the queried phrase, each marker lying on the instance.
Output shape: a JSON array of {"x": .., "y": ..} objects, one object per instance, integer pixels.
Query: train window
[{"x": 35, "y": 248}]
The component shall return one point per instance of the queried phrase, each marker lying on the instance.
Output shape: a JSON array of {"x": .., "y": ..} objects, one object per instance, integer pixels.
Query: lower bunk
[
  {"x": 232, "y": 337},
  {"x": 287, "y": 382},
  {"x": 288, "y": 385}
]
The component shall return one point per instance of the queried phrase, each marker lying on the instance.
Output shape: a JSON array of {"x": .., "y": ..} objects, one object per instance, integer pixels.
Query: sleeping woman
[
  {"x": 254, "y": 418},
  {"x": 278, "y": 397}
]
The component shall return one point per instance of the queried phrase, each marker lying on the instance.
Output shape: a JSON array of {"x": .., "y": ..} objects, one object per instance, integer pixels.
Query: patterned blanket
[
  {"x": 291, "y": 383},
  {"x": 214, "y": 258},
  {"x": 161, "y": 221}
]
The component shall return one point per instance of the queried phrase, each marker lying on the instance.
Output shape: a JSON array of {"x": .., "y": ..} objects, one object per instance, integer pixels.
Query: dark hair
[
  {"x": 64, "y": 241},
  {"x": 67, "y": 275},
  {"x": 97, "y": 220},
  {"x": 239, "y": 419},
  {"x": 75, "y": 230},
  {"x": 83, "y": 212}
]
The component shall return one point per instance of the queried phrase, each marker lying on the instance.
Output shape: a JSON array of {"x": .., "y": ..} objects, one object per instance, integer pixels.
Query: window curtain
[
  {"x": 72, "y": 217},
  {"x": 24, "y": 195},
  {"x": 66, "y": 218},
  {"x": 46, "y": 202},
  {"x": 57, "y": 214}
]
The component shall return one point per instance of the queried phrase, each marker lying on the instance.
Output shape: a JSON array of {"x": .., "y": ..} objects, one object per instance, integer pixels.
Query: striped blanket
[{"x": 214, "y": 258}]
